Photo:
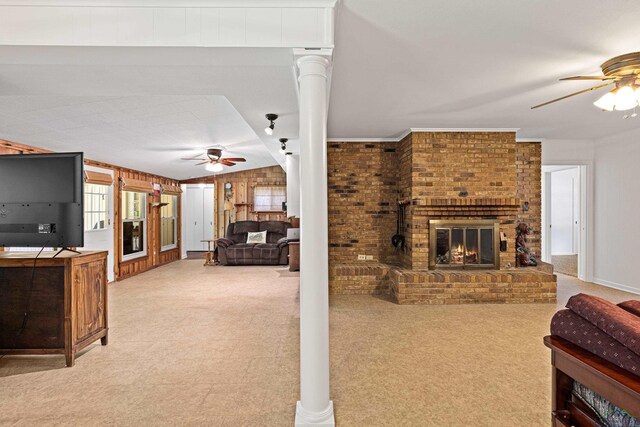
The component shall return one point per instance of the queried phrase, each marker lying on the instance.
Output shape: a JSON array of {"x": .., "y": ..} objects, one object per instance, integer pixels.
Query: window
[
  {"x": 168, "y": 222},
  {"x": 269, "y": 198},
  {"x": 134, "y": 210},
  {"x": 96, "y": 202}
]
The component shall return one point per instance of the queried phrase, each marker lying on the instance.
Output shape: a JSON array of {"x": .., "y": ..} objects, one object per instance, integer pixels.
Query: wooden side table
[
  {"x": 294, "y": 256},
  {"x": 209, "y": 256}
]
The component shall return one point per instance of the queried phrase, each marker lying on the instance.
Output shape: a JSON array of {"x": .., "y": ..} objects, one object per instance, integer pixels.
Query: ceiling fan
[
  {"x": 623, "y": 72},
  {"x": 214, "y": 160}
]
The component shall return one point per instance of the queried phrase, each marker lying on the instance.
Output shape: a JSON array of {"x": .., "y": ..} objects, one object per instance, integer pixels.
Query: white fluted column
[
  {"x": 314, "y": 407},
  {"x": 293, "y": 185}
]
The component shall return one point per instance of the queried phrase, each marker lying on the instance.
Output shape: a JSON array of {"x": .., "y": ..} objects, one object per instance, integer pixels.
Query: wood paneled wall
[
  {"x": 239, "y": 207},
  {"x": 154, "y": 257}
]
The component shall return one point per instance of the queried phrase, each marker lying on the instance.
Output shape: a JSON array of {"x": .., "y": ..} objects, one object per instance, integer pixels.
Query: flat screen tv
[{"x": 42, "y": 200}]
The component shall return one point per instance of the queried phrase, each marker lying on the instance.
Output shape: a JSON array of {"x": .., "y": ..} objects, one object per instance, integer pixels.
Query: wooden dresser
[{"x": 67, "y": 302}]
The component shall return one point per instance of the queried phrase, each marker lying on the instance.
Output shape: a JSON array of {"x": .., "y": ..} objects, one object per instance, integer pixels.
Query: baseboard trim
[
  {"x": 615, "y": 285},
  {"x": 305, "y": 418}
]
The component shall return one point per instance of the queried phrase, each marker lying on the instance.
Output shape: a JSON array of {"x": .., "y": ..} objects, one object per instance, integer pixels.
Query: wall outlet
[
  {"x": 369, "y": 258},
  {"x": 362, "y": 257}
]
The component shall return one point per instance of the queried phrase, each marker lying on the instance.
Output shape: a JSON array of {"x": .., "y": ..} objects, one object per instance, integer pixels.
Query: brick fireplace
[{"x": 464, "y": 193}]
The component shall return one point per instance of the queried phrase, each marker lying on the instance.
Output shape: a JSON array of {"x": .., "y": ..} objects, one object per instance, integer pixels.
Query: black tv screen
[{"x": 41, "y": 200}]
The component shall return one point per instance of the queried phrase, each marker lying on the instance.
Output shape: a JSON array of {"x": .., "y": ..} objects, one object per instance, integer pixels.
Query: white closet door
[
  {"x": 195, "y": 226},
  {"x": 207, "y": 210}
]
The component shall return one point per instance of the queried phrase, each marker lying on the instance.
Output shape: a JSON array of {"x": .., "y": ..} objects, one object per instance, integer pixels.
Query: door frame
[
  {"x": 186, "y": 226},
  {"x": 113, "y": 251},
  {"x": 586, "y": 203}
]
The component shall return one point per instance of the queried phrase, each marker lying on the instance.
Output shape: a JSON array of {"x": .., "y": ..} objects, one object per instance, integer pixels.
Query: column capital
[{"x": 313, "y": 61}]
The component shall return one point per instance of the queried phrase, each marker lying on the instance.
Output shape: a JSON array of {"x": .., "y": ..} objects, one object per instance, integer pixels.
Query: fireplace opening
[{"x": 464, "y": 244}]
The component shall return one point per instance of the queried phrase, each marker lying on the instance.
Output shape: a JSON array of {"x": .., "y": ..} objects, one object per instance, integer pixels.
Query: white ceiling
[
  {"x": 149, "y": 101},
  {"x": 397, "y": 65},
  {"x": 476, "y": 64},
  {"x": 143, "y": 132}
]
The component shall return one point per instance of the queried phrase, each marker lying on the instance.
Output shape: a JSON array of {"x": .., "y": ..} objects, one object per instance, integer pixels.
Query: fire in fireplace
[{"x": 464, "y": 244}]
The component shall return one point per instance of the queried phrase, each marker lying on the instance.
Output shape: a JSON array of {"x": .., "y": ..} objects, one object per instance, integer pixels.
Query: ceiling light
[
  {"x": 283, "y": 145},
  {"x": 214, "y": 167},
  {"x": 272, "y": 118},
  {"x": 607, "y": 102},
  {"x": 620, "y": 99},
  {"x": 626, "y": 99}
]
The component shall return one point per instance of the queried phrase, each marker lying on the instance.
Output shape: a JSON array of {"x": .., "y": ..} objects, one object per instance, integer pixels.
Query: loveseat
[
  {"x": 596, "y": 362},
  {"x": 234, "y": 249}
]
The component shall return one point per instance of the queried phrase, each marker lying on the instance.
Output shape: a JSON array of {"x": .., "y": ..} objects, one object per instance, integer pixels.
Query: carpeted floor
[{"x": 194, "y": 345}]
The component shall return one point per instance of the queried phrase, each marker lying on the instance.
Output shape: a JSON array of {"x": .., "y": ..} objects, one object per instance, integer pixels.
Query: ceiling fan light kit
[
  {"x": 272, "y": 118},
  {"x": 622, "y": 71},
  {"x": 214, "y": 161},
  {"x": 622, "y": 99},
  {"x": 214, "y": 167}
]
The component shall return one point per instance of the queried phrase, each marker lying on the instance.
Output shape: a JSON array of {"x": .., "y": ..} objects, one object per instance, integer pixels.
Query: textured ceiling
[
  {"x": 476, "y": 64},
  {"x": 149, "y": 133},
  {"x": 134, "y": 106}
]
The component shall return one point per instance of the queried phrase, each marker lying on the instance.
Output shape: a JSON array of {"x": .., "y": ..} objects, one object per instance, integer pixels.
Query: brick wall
[
  {"x": 362, "y": 193},
  {"x": 405, "y": 190},
  {"x": 480, "y": 163},
  {"x": 529, "y": 170},
  {"x": 363, "y": 186},
  {"x": 427, "y": 168}
]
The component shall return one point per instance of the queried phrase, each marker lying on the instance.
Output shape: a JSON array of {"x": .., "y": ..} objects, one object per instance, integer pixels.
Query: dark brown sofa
[{"x": 234, "y": 249}]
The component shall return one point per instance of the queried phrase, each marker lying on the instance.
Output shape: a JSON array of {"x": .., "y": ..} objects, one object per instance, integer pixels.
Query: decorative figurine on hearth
[{"x": 524, "y": 258}]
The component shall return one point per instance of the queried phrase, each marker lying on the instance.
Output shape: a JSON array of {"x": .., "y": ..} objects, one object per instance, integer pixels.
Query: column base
[{"x": 305, "y": 418}]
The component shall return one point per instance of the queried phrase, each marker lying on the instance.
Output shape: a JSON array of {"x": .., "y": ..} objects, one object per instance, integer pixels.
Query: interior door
[
  {"x": 207, "y": 210},
  {"x": 194, "y": 213}
]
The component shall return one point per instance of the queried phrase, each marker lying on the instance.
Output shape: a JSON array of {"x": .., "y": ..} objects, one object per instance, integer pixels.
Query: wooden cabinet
[{"x": 66, "y": 300}]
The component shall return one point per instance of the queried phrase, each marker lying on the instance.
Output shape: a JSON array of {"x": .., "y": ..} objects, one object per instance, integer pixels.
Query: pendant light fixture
[
  {"x": 272, "y": 118},
  {"x": 283, "y": 145}
]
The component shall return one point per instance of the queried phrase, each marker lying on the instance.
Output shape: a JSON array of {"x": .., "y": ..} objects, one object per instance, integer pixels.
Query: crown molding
[
  {"x": 411, "y": 130},
  {"x": 363, "y": 139},
  {"x": 173, "y": 3},
  {"x": 464, "y": 129},
  {"x": 530, "y": 139}
]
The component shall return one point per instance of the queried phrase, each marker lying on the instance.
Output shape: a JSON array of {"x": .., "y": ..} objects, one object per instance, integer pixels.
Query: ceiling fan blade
[
  {"x": 226, "y": 162},
  {"x": 192, "y": 158},
  {"x": 591, "y": 78},
  {"x": 573, "y": 94},
  {"x": 202, "y": 163},
  {"x": 235, "y": 159}
]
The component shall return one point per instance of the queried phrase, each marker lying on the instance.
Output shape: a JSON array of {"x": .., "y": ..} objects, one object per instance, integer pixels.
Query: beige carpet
[
  {"x": 565, "y": 264},
  {"x": 194, "y": 345}
]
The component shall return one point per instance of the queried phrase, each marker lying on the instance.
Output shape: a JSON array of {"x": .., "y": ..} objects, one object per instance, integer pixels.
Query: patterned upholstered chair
[{"x": 234, "y": 249}]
